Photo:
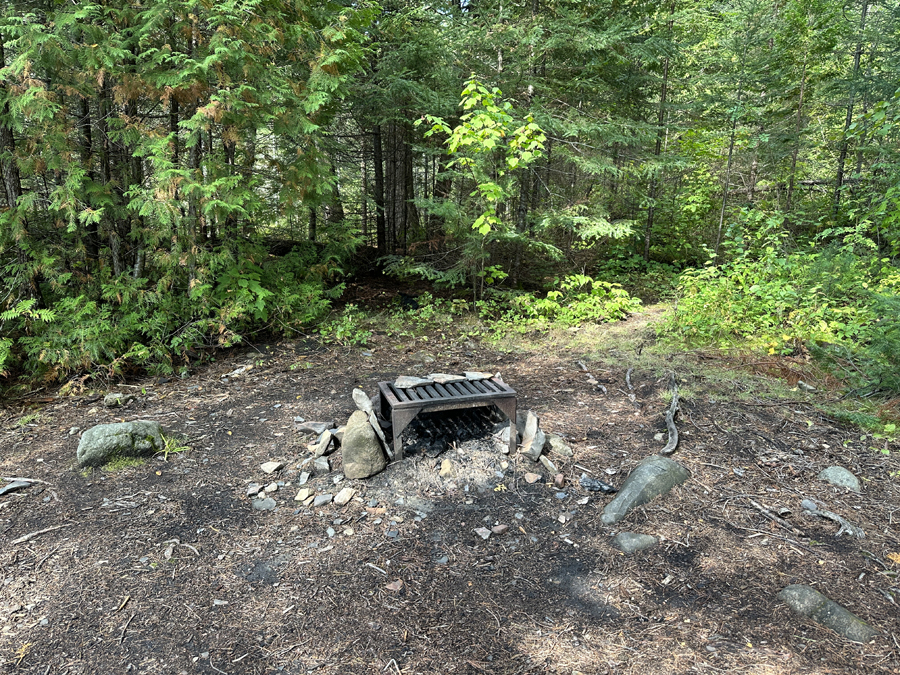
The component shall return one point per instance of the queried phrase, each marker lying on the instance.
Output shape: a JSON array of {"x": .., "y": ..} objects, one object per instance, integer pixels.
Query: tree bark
[
  {"x": 657, "y": 152},
  {"x": 848, "y": 120},
  {"x": 12, "y": 184},
  {"x": 796, "y": 152},
  {"x": 378, "y": 160}
]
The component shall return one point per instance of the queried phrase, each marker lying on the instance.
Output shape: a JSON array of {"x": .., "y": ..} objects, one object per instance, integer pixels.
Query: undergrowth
[{"x": 834, "y": 299}]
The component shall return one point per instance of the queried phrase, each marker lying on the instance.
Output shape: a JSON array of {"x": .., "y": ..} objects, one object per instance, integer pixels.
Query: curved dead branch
[{"x": 670, "y": 419}]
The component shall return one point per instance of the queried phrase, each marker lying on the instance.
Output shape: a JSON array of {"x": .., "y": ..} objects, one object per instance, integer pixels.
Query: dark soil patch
[{"x": 165, "y": 568}]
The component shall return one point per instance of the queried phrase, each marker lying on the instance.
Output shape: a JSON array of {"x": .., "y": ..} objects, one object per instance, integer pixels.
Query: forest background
[{"x": 183, "y": 175}]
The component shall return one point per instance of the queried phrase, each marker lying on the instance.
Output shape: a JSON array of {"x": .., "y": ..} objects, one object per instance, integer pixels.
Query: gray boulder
[
  {"x": 106, "y": 442},
  {"x": 652, "y": 477},
  {"x": 839, "y": 476},
  {"x": 808, "y": 602},
  {"x": 632, "y": 542},
  {"x": 362, "y": 453}
]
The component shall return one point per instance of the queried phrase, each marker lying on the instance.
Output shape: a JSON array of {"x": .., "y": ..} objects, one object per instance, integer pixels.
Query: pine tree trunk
[
  {"x": 845, "y": 143},
  {"x": 380, "y": 225},
  {"x": 796, "y": 151},
  {"x": 92, "y": 236},
  {"x": 12, "y": 183}
]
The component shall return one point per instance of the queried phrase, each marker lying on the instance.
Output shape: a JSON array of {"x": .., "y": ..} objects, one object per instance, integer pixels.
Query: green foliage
[
  {"x": 172, "y": 445},
  {"x": 572, "y": 301},
  {"x": 835, "y": 301},
  {"x": 490, "y": 148},
  {"x": 347, "y": 328}
]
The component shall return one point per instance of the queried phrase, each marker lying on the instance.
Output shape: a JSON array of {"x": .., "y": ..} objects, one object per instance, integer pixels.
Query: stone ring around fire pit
[{"x": 402, "y": 405}]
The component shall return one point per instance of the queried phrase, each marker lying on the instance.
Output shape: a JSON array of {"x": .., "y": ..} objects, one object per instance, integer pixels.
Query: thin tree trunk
[
  {"x": 12, "y": 184},
  {"x": 378, "y": 160},
  {"x": 797, "y": 129},
  {"x": 848, "y": 120},
  {"x": 727, "y": 180},
  {"x": 92, "y": 236},
  {"x": 657, "y": 151}
]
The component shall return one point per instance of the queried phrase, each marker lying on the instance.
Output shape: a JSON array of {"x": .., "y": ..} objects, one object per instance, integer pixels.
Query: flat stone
[
  {"x": 323, "y": 445},
  {"x": 446, "y": 468},
  {"x": 344, "y": 496},
  {"x": 532, "y": 478},
  {"x": 503, "y": 439},
  {"x": 559, "y": 480},
  {"x": 313, "y": 427},
  {"x": 631, "y": 542},
  {"x": 116, "y": 400},
  {"x": 362, "y": 401},
  {"x": 654, "y": 476},
  {"x": 303, "y": 478},
  {"x": 321, "y": 465},
  {"x": 271, "y": 467},
  {"x": 808, "y": 602},
  {"x": 483, "y": 532},
  {"x": 14, "y": 485},
  {"x": 408, "y": 381},
  {"x": 302, "y": 494},
  {"x": 271, "y": 487},
  {"x": 444, "y": 378},
  {"x": 322, "y": 500},
  {"x": 839, "y": 476},
  {"x": 533, "y": 439},
  {"x": 267, "y": 504},
  {"x": 550, "y": 466},
  {"x": 500, "y": 529},
  {"x": 594, "y": 485},
  {"x": 475, "y": 375},
  {"x": 105, "y": 442},
  {"x": 362, "y": 453},
  {"x": 558, "y": 446}
]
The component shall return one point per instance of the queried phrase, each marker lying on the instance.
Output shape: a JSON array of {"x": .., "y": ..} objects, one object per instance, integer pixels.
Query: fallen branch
[
  {"x": 670, "y": 420},
  {"x": 778, "y": 519},
  {"x": 32, "y": 535},
  {"x": 846, "y": 525}
]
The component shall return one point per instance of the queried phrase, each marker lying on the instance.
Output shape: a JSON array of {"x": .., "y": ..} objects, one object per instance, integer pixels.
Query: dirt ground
[{"x": 164, "y": 567}]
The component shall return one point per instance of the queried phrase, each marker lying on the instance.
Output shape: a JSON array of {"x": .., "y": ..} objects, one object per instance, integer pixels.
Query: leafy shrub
[
  {"x": 574, "y": 300},
  {"x": 837, "y": 301},
  {"x": 120, "y": 322}
]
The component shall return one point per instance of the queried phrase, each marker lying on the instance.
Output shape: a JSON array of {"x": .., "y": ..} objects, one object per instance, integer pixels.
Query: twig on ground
[
  {"x": 778, "y": 519},
  {"x": 214, "y": 668},
  {"x": 32, "y": 535},
  {"x": 125, "y": 627}
]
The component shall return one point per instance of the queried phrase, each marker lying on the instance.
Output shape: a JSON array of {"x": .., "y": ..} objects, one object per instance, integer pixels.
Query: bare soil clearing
[{"x": 165, "y": 568}]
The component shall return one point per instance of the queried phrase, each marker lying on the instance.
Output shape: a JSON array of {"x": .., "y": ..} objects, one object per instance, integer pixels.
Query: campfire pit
[{"x": 401, "y": 405}]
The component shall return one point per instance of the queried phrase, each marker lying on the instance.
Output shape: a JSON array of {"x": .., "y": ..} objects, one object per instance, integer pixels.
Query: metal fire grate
[{"x": 402, "y": 405}]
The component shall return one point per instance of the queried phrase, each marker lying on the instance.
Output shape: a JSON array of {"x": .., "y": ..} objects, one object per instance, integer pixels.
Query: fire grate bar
[{"x": 402, "y": 405}]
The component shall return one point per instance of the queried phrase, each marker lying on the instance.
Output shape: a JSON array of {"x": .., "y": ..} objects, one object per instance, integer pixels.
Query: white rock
[
  {"x": 271, "y": 467},
  {"x": 344, "y": 496}
]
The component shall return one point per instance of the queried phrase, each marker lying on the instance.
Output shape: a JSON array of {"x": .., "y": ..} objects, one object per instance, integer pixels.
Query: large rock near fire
[
  {"x": 362, "y": 453},
  {"x": 106, "y": 442},
  {"x": 808, "y": 602},
  {"x": 654, "y": 476}
]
